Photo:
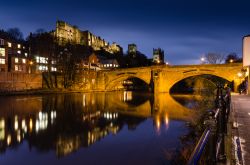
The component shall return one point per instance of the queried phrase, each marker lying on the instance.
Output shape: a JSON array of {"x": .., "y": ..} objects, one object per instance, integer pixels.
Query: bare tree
[
  {"x": 214, "y": 58},
  {"x": 15, "y": 33}
]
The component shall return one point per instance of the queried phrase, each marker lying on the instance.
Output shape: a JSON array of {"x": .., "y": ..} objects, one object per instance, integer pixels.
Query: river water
[{"x": 120, "y": 128}]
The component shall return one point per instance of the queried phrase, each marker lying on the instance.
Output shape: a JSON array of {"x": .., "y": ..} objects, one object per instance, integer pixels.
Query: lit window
[
  {"x": 2, "y": 61},
  {"x": 105, "y": 65},
  {"x": 1, "y": 41},
  {"x": 19, "y": 51},
  {"x": 2, "y": 52},
  {"x": 16, "y": 67},
  {"x": 16, "y": 60},
  {"x": 26, "y": 54},
  {"x": 9, "y": 44},
  {"x": 23, "y": 47},
  {"x": 24, "y": 61},
  {"x": 41, "y": 60},
  {"x": 53, "y": 62},
  {"x": 18, "y": 46},
  {"x": 53, "y": 69},
  {"x": 42, "y": 68}
]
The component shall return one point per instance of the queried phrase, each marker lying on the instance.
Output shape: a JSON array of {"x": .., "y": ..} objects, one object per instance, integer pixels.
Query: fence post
[
  {"x": 220, "y": 151},
  {"x": 211, "y": 124}
]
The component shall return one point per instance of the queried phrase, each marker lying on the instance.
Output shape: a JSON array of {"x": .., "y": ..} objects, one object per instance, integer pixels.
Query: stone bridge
[{"x": 164, "y": 77}]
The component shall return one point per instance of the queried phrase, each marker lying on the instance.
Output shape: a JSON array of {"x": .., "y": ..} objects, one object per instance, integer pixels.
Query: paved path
[{"x": 241, "y": 131}]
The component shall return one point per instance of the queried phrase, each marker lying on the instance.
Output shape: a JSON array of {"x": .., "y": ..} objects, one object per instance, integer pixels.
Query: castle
[{"x": 67, "y": 33}]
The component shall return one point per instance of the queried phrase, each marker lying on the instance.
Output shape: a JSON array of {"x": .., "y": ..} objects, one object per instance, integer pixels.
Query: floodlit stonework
[{"x": 67, "y": 33}]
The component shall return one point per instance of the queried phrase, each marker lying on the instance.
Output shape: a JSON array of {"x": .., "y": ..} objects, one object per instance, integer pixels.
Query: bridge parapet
[{"x": 164, "y": 77}]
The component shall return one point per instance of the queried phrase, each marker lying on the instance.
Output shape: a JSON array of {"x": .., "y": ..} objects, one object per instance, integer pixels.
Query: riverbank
[{"x": 42, "y": 91}]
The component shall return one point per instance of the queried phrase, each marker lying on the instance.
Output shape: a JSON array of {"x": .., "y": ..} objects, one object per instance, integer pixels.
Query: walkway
[{"x": 241, "y": 128}]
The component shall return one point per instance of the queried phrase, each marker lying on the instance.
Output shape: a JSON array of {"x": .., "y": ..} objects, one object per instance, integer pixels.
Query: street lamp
[
  {"x": 202, "y": 60},
  {"x": 239, "y": 74},
  {"x": 231, "y": 60}
]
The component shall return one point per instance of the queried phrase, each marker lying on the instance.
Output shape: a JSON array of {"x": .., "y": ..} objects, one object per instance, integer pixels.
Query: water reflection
[{"x": 67, "y": 122}]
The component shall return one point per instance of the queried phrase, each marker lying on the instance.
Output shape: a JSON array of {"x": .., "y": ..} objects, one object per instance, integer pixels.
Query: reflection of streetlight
[{"x": 30, "y": 65}]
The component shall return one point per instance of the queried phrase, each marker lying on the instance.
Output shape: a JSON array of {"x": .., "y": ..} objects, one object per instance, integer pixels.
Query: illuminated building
[
  {"x": 100, "y": 63},
  {"x": 66, "y": 33},
  {"x": 132, "y": 49},
  {"x": 13, "y": 55},
  {"x": 158, "y": 56}
]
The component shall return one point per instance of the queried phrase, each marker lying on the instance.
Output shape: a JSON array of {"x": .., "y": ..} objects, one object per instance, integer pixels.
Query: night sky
[{"x": 185, "y": 29}]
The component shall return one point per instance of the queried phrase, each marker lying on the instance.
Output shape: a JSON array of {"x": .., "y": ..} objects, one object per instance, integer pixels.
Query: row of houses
[
  {"x": 38, "y": 54},
  {"x": 13, "y": 56}
]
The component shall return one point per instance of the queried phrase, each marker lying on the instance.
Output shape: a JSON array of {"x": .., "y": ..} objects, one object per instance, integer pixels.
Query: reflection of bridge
[
  {"x": 163, "y": 105},
  {"x": 164, "y": 77}
]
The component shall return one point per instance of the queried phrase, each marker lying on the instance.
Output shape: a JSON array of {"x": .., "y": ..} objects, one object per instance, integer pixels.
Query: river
[{"x": 95, "y": 128}]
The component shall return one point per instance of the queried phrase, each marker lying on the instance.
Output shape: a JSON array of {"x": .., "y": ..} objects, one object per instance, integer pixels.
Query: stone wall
[{"x": 19, "y": 81}]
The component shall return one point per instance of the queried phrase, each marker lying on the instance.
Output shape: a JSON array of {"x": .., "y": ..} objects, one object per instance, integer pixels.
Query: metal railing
[{"x": 210, "y": 148}]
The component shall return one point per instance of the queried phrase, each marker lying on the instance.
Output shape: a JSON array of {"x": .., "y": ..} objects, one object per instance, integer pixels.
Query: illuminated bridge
[{"x": 164, "y": 77}]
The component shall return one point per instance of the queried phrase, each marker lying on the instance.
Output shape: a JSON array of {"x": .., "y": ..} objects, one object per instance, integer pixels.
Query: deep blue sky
[{"x": 185, "y": 29}]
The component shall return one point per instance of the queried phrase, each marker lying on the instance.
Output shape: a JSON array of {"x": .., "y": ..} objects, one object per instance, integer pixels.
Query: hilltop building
[
  {"x": 67, "y": 33},
  {"x": 158, "y": 56},
  {"x": 132, "y": 49}
]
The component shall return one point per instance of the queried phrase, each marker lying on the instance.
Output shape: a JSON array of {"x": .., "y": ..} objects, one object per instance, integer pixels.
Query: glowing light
[
  {"x": 16, "y": 123},
  {"x": 31, "y": 125},
  {"x": 166, "y": 121},
  {"x": 202, "y": 59},
  {"x": 231, "y": 60},
  {"x": 23, "y": 124},
  {"x": 18, "y": 136},
  {"x": 239, "y": 74},
  {"x": 2, "y": 129},
  {"x": 8, "y": 139},
  {"x": 158, "y": 123}
]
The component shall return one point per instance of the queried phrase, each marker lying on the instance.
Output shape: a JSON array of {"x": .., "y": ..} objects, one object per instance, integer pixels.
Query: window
[
  {"x": 26, "y": 54},
  {"x": 9, "y": 44},
  {"x": 18, "y": 46},
  {"x": 42, "y": 60},
  {"x": 24, "y": 60},
  {"x": 42, "y": 68},
  {"x": 1, "y": 41},
  {"x": 54, "y": 69},
  {"x": 16, "y": 60},
  {"x": 2, "y": 52},
  {"x": 16, "y": 67},
  {"x": 53, "y": 62},
  {"x": 19, "y": 51},
  {"x": 2, "y": 61}
]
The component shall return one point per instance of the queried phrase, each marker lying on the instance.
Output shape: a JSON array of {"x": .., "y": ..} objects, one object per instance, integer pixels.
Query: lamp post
[{"x": 202, "y": 60}]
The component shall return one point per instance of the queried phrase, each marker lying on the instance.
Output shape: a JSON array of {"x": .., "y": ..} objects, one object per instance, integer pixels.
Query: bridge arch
[
  {"x": 226, "y": 73},
  {"x": 111, "y": 85}
]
